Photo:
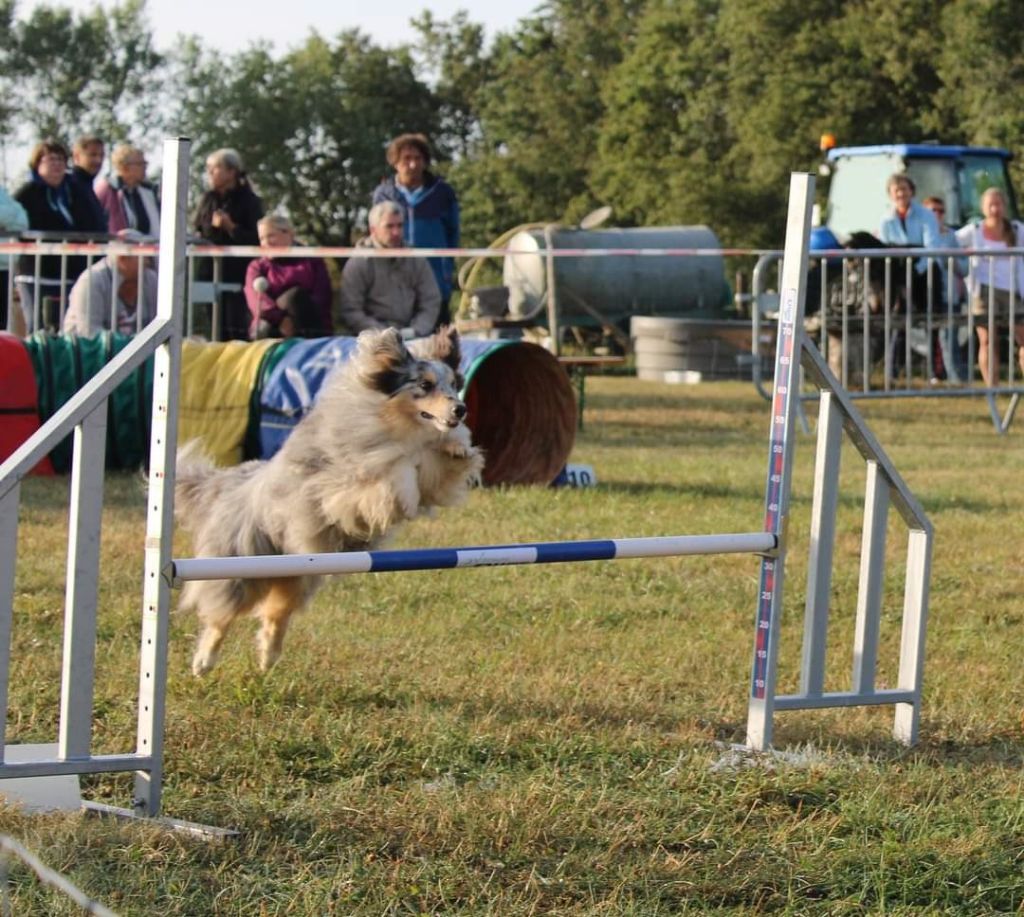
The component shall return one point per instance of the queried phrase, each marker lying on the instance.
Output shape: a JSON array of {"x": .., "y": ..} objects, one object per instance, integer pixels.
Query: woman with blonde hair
[
  {"x": 288, "y": 296},
  {"x": 129, "y": 200},
  {"x": 996, "y": 280}
]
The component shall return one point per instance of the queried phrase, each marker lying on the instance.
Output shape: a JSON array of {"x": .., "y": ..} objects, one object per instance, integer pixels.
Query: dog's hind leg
[
  {"x": 219, "y": 603},
  {"x": 284, "y": 598},
  {"x": 208, "y": 646}
]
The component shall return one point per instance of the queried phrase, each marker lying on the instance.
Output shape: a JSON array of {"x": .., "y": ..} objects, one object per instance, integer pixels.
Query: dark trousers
[
  {"x": 234, "y": 316},
  {"x": 304, "y": 313}
]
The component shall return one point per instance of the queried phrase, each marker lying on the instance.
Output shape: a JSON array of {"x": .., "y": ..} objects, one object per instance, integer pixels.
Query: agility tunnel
[
  {"x": 19, "y": 399},
  {"x": 244, "y": 398},
  {"x": 520, "y": 403},
  {"x": 61, "y": 365}
]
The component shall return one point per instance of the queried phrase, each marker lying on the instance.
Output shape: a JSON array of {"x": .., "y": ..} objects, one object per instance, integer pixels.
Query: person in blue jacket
[
  {"x": 430, "y": 206},
  {"x": 908, "y": 223}
]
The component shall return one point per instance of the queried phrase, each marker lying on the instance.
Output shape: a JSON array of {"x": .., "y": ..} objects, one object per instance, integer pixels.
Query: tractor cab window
[{"x": 977, "y": 173}]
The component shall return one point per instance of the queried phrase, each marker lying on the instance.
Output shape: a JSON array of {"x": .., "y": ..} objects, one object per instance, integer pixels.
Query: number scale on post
[
  {"x": 774, "y": 516},
  {"x": 785, "y": 401}
]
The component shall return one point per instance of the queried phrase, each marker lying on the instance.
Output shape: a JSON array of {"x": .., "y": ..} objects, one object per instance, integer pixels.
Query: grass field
[{"x": 554, "y": 739}]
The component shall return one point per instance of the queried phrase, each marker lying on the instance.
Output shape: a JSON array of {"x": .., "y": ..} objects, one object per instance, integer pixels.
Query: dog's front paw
[{"x": 458, "y": 443}]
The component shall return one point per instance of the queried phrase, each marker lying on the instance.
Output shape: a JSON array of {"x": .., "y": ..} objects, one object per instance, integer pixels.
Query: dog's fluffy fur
[{"x": 384, "y": 443}]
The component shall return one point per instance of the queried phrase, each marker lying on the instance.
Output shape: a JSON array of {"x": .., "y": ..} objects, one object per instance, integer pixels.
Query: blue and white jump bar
[{"x": 552, "y": 552}]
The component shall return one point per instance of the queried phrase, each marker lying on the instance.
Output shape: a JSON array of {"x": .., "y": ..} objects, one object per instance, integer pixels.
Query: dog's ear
[
  {"x": 442, "y": 346},
  {"x": 384, "y": 362}
]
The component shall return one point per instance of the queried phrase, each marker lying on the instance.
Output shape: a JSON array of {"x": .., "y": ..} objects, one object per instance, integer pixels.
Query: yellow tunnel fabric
[{"x": 217, "y": 381}]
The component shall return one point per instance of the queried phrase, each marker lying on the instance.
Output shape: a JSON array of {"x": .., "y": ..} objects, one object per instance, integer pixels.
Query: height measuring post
[
  {"x": 163, "y": 446},
  {"x": 785, "y": 402}
]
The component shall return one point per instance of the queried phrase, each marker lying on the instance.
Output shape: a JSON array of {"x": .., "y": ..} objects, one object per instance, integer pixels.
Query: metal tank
[{"x": 594, "y": 289}]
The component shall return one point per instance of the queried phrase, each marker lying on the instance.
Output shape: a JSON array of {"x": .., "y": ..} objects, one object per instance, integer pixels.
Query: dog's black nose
[{"x": 460, "y": 410}]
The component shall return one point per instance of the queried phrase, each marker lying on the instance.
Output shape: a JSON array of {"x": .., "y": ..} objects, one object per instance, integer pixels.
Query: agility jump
[{"x": 86, "y": 416}]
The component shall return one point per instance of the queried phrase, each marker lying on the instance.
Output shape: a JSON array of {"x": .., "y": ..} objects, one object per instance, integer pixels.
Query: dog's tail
[{"x": 192, "y": 470}]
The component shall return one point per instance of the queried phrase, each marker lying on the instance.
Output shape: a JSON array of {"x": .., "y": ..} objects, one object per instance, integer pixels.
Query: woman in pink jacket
[
  {"x": 287, "y": 296},
  {"x": 129, "y": 200}
]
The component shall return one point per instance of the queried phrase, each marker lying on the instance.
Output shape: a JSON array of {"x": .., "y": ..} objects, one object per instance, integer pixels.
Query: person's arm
[
  {"x": 151, "y": 286},
  {"x": 111, "y": 205},
  {"x": 428, "y": 299},
  {"x": 35, "y": 207},
  {"x": 13, "y": 217},
  {"x": 88, "y": 304},
  {"x": 960, "y": 263},
  {"x": 884, "y": 230},
  {"x": 965, "y": 238},
  {"x": 1019, "y": 230},
  {"x": 355, "y": 288},
  {"x": 451, "y": 227},
  {"x": 244, "y": 231},
  {"x": 929, "y": 234},
  {"x": 201, "y": 221},
  {"x": 930, "y": 237},
  {"x": 261, "y": 304}
]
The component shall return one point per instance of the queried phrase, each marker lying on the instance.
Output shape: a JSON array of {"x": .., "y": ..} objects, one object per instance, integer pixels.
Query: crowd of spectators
[
  {"x": 991, "y": 288},
  {"x": 282, "y": 294}
]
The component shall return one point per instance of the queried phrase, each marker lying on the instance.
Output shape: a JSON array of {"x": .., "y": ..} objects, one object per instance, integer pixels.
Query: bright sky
[{"x": 232, "y": 26}]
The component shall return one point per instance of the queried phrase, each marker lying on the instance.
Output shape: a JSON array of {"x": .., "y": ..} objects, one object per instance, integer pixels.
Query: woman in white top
[{"x": 993, "y": 278}]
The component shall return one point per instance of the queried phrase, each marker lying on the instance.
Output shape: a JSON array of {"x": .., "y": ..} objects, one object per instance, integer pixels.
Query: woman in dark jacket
[
  {"x": 54, "y": 204},
  {"x": 227, "y": 215}
]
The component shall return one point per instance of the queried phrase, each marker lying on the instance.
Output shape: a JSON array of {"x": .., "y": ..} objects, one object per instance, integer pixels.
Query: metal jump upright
[
  {"x": 884, "y": 484},
  {"x": 86, "y": 415}
]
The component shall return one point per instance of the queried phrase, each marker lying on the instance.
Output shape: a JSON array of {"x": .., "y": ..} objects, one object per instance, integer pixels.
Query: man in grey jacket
[{"x": 397, "y": 292}]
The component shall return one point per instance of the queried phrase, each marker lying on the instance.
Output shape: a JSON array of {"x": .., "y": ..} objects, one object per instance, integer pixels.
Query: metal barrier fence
[
  {"x": 901, "y": 322},
  {"x": 891, "y": 323},
  {"x": 39, "y": 292},
  {"x": 44, "y": 282}
]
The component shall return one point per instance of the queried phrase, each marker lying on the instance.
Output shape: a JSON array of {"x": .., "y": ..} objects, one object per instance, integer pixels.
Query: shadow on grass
[
  {"x": 957, "y": 502},
  {"x": 668, "y": 436},
  {"x": 935, "y": 749},
  {"x": 687, "y": 400},
  {"x": 697, "y": 488}
]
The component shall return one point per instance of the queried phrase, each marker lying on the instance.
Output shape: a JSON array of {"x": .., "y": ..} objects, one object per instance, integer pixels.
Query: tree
[
  {"x": 981, "y": 65},
  {"x": 88, "y": 72},
  {"x": 665, "y": 130},
  {"x": 538, "y": 117},
  {"x": 717, "y": 101},
  {"x": 312, "y": 126},
  {"x": 7, "y": 82},
  {"x": 453, "y": 53}
]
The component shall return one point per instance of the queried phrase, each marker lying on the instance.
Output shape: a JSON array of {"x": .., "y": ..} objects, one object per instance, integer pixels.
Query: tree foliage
[
  {"x": 312, "y": 125},
  {"x": 68, "y": 73},
  {"x": 672, "y": 111}
]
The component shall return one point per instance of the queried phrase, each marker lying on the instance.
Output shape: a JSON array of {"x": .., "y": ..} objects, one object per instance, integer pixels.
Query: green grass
[{"x": 548, "y": 739}]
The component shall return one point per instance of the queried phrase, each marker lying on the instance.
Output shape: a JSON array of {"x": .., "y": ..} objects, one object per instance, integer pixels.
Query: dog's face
[{"x": 422, "y": 386}]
